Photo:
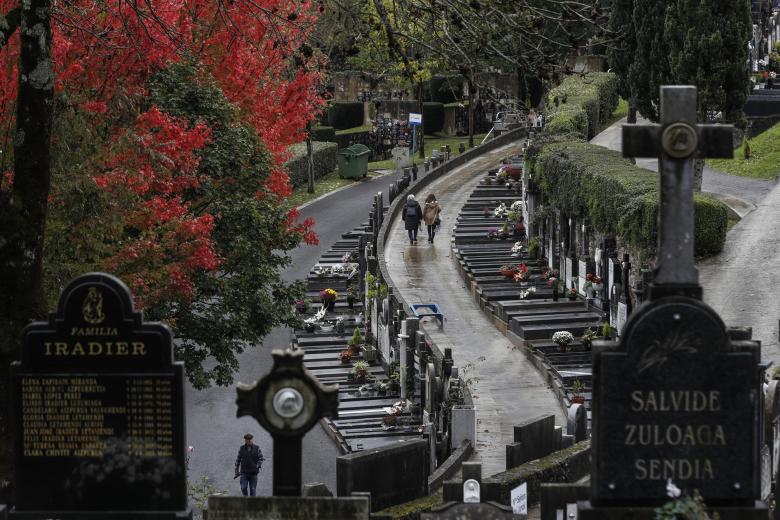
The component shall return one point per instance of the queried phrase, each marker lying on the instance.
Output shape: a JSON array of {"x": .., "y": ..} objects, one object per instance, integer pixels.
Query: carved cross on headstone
[
  {"x": 287, "y": 402},
  {"x": 676, "y": 141}
]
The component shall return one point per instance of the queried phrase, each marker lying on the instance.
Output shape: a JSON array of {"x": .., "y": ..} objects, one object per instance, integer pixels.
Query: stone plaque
[
  {"x": 98, "y": 407},
  {"x": 471, "y": 491},
  {"x": 674, "y": 401},
  {"x": 622, "y": 316},
  {"x": 569, "y": 266}
]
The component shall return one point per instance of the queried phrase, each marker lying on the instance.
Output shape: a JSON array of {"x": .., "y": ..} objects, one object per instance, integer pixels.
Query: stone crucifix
[{"x": 676, "y": 141}]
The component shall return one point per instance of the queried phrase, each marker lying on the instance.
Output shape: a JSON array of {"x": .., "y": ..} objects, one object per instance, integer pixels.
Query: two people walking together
[{"x": 413, "y": 215}]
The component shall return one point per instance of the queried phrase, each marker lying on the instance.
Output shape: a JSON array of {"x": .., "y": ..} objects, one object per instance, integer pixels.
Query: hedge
[
  {"x": 433, "y": 117},
  {"x": 323, "y": 133},
  {"x": 345, "y": 114},
  {"x": 297, "y": 166},
  {"x": 592, "y": 97},
  {"x": 617, "y": 196}
]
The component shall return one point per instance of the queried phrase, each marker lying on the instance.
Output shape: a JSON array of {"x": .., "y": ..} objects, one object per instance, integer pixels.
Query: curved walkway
[
  {"x": 742, "y": 194},
  {"x": 739, "y": 282},
  {"x": 506, "y": 387}
]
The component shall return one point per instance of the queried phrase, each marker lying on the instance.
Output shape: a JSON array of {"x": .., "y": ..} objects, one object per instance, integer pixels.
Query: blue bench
[{"x": 422, "y": 310}]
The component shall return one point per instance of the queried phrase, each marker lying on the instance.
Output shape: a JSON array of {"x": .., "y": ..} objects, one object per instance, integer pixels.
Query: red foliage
[{"x": 104, "y": 53}]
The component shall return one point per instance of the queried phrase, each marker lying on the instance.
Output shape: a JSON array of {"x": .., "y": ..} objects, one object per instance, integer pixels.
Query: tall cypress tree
[
  {"x": 622, "y": 49},
  {"x": 650, "y": 68}
]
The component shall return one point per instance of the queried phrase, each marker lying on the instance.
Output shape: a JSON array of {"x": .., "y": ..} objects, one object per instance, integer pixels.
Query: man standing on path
[{"x": 248, "y": 464}]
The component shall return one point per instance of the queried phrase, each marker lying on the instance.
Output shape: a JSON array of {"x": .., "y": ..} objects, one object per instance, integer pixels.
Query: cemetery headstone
[
  {"x": 98, "y": 410},
  {"x": 287, "y": 402},
  {"x": 675, "y": 400}
]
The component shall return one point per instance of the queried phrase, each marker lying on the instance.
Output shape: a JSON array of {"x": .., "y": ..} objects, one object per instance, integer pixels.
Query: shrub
[
  {"x": 433, "y": 117},
  {"x": 345, "y": 114},
  {"x": 323, "y": 133},
  {"x": 297, "y": 165},
  {"x": 617, "y": 196},
  {"x": 595, "y": 94}
]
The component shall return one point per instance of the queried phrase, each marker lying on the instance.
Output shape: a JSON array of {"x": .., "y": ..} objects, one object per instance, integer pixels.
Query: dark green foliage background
[
  {"x": 298, "y": 165},
  {"x": 345, "y": 114},
  {"x": 323, "y": 133},
  {"x": 433, "y": 117}
]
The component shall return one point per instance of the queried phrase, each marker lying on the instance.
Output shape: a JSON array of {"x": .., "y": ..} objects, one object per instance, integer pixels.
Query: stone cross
[
  {"x": 287, "y": 402},
  {"x": 676, "y": 141}
]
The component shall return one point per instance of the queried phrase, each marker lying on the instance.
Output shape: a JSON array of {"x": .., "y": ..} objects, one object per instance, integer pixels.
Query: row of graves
[{"x": 526, "y": 297}]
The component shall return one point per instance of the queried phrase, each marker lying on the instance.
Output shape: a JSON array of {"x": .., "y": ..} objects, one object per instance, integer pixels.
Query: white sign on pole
[
  {"x": 415, "y": 119},
  {"x": 519, "y": 497}
]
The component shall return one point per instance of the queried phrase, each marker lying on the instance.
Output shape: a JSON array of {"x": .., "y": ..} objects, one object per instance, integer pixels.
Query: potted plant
[
  {"x": 572, "y": 294},
  {"x": 302, "y": 305},
  {"x": 587, "y": 338},
  {"x": 563, "y": 338},
  {"x": 356, "y": 342},
  {"x": 521, "y": 273},
  {"x": 598, "y": 285},
  {"x": 517, "y": 249},
  {"x": 507, "y": 270},
  {"x": 352, "y": 296},
  {"x": 346, "y": 356},
  {"x": 360, "y": 371},
  {"x": 552, "y": 282},
  {"x": 577, "y": 389},
  {"x": 328, "y": 298}
]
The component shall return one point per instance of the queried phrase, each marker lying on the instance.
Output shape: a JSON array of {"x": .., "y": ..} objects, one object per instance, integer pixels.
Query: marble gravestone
[
  {"x": 98, "y": 411},
  {"x": 675, "y": 400}
]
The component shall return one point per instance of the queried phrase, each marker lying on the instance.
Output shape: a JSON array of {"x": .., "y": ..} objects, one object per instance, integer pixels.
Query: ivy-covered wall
[
  {"x": 297, "y": 166},
  {"x": 618, "y": 197}
]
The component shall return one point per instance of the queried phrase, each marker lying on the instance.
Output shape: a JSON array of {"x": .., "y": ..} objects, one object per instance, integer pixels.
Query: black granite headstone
[{"x": 98, "y": 408}]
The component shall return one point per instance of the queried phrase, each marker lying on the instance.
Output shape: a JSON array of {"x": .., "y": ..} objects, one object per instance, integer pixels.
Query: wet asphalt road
[{"x": 212, "y": 427}]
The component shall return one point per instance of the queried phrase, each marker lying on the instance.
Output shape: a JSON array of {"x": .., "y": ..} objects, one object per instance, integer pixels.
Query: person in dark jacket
[
  {"x": 412, "y": 215},
  {"x": 248, "y": 464},
  {"x": 431, "y": 215}
]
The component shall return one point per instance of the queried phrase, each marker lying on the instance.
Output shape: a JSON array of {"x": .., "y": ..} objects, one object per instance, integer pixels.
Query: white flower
[
  {"x": 563, "y": 336},
  {"x": 500, "y": 211},
  {"x": 317, "y": 317},
  {"x": 518, "y": 205},
  {"x": 527, "y": 292},
  {"x": 672, "y": 491},
  {"x": 517, "y": 248}
]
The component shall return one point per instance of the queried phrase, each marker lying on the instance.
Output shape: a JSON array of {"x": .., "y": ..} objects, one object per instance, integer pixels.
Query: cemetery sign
[{"x": 98, "y": 407}]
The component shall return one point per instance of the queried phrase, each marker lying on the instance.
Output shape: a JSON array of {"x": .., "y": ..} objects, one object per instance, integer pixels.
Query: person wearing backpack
[
  {"x": 412, "y": 215},
  {"x": 431, "y": 215}
]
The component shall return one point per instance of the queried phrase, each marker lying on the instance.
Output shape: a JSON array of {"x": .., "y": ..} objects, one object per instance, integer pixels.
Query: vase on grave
[
  {"x": 562, "y": 346},
  {"x": 331, "y": 305},
  {"x": 555, "y": 292},
  {"x": 351, "y": 302}
]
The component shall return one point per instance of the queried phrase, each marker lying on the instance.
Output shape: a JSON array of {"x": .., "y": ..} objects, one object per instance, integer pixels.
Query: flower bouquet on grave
[
  {"x": 528, "y": 292},
  {"x": 492, "y": 234},
  {"x": 360, "y": 371},
  {"x": 328, "y": 298},
  {"x": 501, "y": 211},
  {"x": 507, "y": 270},
  {"x": 572, "y": 293},
  {"x": 597, "y": 283},
  {"x": 345, "y": 356},
  {"x": 502, "y": 175},
  {"x": 555, "y": 285},
  {"x": 518, "y": 249},
  {"x": 587, "y": 338},
  {"x": 577, "y": 389},
  {"x": 356, "y": 342},
  {"x": 311, "y": 324},
  {"x": 302, "y": 305},
  {"x": 352, "y": 296},
  {"x": 521, "y": 273},
  {"x": 563, "y": 338}
]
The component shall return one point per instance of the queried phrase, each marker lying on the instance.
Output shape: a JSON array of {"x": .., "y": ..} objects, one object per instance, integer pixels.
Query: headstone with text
[
  {"x": 98, "y": 410},
  {"x": 675, "y": 400}
]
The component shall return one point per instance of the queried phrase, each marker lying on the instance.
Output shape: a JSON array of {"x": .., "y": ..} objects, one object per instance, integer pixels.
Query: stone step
[
  {"x": 545, "y": 331},
  {"x": 563, "y": 317}
]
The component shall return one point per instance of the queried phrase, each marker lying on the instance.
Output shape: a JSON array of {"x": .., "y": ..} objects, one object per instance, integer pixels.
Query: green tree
[{"x": 622, "y": 48}]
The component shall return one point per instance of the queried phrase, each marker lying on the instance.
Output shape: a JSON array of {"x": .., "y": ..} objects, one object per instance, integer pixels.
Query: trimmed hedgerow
[
  {"x": 617, "y": 196},
  {"x": 595, "y": 94},
  {"x": 297, "y": 166},
  {"x": 345, "y": 114},
  {"x": 433, "y": 117},
  {"x": 323, "y": 133}
]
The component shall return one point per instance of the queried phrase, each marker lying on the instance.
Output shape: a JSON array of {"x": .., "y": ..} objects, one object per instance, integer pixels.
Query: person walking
[
  {"x": 431, "y": 215},
  {"x": 248, "y": 464},
  {"x": 412, "y": 215}
]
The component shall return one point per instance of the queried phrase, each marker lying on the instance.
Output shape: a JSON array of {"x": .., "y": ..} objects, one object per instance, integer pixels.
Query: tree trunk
[
  {"x": 471, "y": 108},
  {"x": 422, "y": 126},
  {"x": 23, "y": 210},
  {"x": 310, "y": 157},
  {"x": 631, "y": 118}
]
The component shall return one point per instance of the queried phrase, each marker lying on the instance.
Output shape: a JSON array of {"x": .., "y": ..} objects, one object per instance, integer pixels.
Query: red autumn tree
[{"x": 95, "y": 60}]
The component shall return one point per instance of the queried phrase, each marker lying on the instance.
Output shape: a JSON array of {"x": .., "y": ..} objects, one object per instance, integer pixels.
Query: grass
[
  {"x": 431, "y": 142},
  {"x": 323, "y": 185},
  {"x": 354, "y": 130},
  {"x": 764, "y": 161},
  {"x": 620, "y": 112}
]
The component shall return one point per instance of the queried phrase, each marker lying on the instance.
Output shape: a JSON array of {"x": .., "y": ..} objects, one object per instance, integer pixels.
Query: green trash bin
[{"x": 353, "y": 161}]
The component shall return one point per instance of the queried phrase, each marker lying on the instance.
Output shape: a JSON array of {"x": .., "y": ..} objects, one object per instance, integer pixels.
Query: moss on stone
[{"x": 413, "y": 508}]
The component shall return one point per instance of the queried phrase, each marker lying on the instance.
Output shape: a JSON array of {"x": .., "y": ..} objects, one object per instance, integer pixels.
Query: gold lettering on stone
[{"x": 675, "y": 469}]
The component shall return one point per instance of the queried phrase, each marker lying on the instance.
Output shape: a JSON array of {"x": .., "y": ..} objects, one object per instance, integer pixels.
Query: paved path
[
  {"x": 507, "y": 388},
  {"x": 212, "y": 427},
  {"x": 739, "y": 282},
  {"x": 742, "y": 194}
]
